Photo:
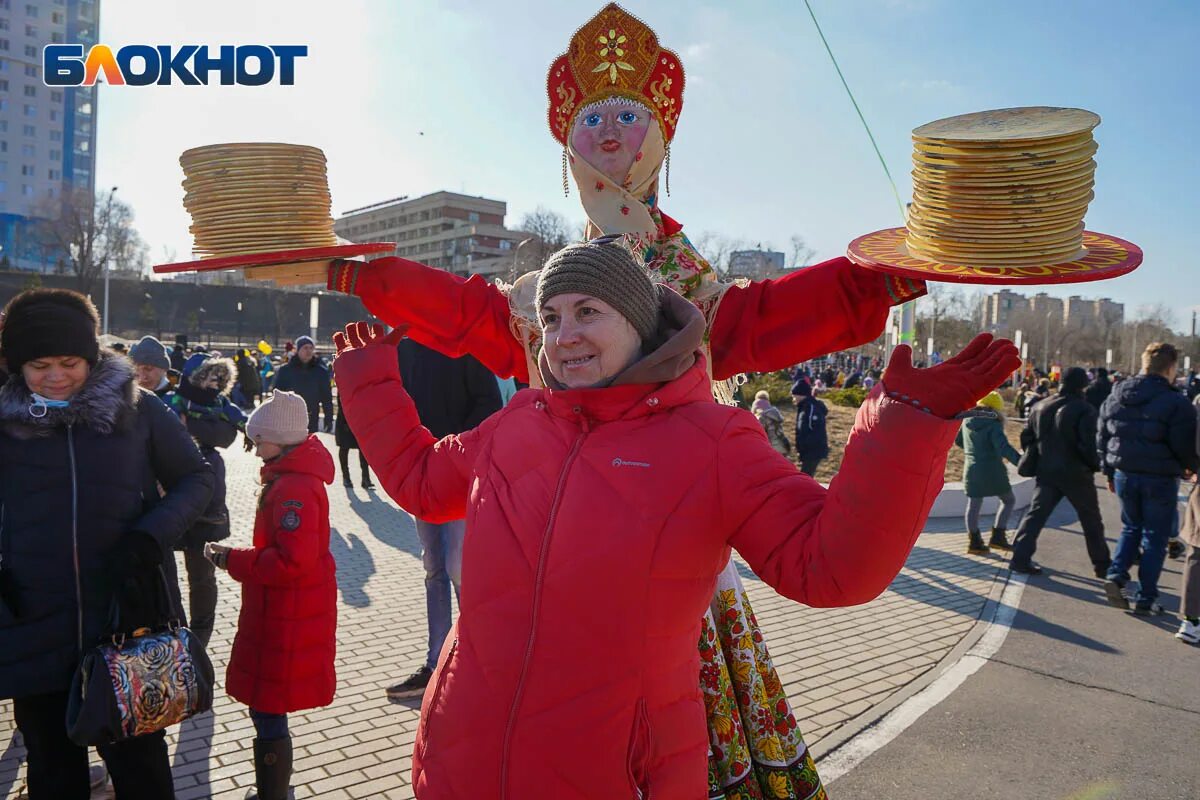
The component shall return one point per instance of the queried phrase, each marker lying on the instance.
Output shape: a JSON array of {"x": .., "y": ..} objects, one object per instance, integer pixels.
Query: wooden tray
[
  {"x": 284, "y": 267},
  {"x": 1106, "y": 257}
]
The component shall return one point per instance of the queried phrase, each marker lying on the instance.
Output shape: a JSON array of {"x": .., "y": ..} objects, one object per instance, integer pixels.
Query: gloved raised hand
[
  {"x": 956, "y": 385},
  {"x": 360, "y": 335}
]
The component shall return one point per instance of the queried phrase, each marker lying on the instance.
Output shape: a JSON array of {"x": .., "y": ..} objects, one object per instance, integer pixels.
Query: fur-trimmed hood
[
  {"x": 108, "y": 397},
  {"x": 222, "y": 369}
]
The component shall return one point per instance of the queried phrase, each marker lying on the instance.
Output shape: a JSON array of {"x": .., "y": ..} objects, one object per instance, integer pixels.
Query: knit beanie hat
[
  {"x": 49, "y": 322},
  {"x": 150, "y": 351},
  {"x": 282, "y": 420},
  {"x": 303, "y": 340},
  {"x": 604, "y": 269},
  {"x": 802, "y": 388}
]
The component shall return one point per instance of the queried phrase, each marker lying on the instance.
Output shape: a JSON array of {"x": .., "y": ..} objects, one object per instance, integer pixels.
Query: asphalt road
[{"x": 1081, "y": 702}]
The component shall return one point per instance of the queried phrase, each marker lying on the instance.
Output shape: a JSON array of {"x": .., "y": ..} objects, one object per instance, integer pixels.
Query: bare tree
[
  {"x": 550, "y": 231},
  {"x": 801, "y": 252},
  {"x": 716, "y": 248},
  {"x": 81, "y": 234}
]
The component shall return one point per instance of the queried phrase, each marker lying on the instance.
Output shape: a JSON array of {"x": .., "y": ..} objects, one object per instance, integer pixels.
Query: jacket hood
[
  {"x": 980, "y": 423},
  {"x": 679, "y": 336},
  {"x": 220, "y": 368},
  {"x": 310, "y": 457},
  {"x": 108, "y": 395},
  {"x": 1140, "y": 389}
]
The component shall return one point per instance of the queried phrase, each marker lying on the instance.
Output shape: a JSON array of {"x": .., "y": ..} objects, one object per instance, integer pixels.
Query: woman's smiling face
[{"x": 609, "y": 136}]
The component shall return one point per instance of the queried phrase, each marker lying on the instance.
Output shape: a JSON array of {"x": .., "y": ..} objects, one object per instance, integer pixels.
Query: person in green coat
[{"x": 984, "y": 474}]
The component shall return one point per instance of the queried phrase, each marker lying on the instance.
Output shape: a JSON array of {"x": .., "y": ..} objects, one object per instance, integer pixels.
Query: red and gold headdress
[{"x": 615, "y": 54}]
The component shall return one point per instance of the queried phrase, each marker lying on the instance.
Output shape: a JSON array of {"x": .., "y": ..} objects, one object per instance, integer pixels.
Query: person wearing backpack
[{"x": 812, "y": 440}]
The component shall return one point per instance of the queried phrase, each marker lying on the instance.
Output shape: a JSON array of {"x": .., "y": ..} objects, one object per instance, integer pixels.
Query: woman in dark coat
[
  {"x": 984, "y": 475},
  {"x": 83, "y": 529},
  {"x": 346, "y": 441}
]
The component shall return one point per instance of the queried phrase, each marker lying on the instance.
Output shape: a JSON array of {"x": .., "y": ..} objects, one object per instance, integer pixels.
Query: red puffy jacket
[
  {"x": 284, "y": 650},
  {"x": 597, "y": 522}
]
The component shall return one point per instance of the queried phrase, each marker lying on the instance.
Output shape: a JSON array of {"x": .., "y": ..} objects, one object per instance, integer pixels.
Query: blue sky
[{"x": 768, "y": 144}]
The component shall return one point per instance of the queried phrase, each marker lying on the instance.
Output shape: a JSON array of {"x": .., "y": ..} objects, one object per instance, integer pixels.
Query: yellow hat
[{"x": 993, "y": 401}]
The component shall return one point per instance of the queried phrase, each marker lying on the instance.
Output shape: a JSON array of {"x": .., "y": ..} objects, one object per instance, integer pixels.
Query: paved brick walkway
[{"x": 836, "y": 664}]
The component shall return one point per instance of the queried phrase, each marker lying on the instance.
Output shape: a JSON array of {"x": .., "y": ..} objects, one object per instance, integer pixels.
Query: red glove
[
  {"x": 956, "y": 385},
  {"x": 359, "y": 335}
]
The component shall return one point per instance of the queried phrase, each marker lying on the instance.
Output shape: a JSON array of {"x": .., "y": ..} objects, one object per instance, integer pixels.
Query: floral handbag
[{"x": 128, "y": 686}]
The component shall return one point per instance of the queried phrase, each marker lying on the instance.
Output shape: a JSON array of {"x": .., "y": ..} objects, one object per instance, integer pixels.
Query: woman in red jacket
[
  {"x": 601, "y": 509},
  {"x": 615, "y": 98},
  {"x": 283, "y": 654}
]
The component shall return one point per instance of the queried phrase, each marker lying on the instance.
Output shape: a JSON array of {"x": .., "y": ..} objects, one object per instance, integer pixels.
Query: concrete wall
[{"x": 270, "y": 314}]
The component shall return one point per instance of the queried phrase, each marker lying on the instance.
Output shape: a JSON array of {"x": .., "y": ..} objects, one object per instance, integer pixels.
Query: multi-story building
[
  {"x": 756, "y": 265},
  {"x": 1042, "y": 304},
  {"x": 47, "y": 134},
  {"x": 1005, "y": 308},
  {"x": 1002, "y": 306},
  {"x": 455, "y": 232}
]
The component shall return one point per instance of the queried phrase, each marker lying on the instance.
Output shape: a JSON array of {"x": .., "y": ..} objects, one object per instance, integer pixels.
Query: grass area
[{"x": 841, "y": 420}]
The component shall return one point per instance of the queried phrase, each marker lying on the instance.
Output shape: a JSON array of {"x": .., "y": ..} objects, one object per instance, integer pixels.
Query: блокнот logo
[{"x": 164, "y": 65}]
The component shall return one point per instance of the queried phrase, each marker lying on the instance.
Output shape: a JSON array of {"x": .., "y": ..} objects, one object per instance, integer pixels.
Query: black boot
[
  {"x": 975, "y": 545},
  {"x": 999, "y": 540},
  {"x": 272, "y": 770}
]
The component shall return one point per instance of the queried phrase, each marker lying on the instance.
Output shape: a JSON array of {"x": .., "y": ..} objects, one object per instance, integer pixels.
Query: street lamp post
[
  {"x": 1133, "y": 365},
  {"x": 1046, "y": 344}
]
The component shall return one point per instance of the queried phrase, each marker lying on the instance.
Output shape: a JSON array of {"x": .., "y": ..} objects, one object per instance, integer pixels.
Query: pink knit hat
[{"x": 282, "y": 420}]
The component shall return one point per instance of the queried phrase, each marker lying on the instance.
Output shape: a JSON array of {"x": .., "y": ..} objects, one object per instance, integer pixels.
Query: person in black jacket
[
  {"x": 346, "y": 441},
  {"x": 307, "y": 376},
  {"x": 1147, "y": 439},
  {"x": 203, "y": 404},
  {"x": 1063, "y": 428},
  {"x": 84, "y": 530},
  {"x": 1099, "y": 389},
  {"x": 812, "y": 441},
  {"x": 452, "y": 395}
]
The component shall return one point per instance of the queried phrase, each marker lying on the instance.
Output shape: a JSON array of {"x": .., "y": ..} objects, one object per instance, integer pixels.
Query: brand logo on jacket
[
  {"x": 620, "y": 462},
  {"x": 189, "y": 64}
]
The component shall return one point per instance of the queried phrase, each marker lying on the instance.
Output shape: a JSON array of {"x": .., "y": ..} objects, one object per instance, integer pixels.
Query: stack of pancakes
[
  {"x": 1002, "y": 188},
  {"x": 256, "y": 198}
]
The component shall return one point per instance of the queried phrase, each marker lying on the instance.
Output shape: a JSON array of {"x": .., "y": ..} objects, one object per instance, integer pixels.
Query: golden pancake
[
  {"x": 1015, "y": 164},
  {"x": 1048, "y": 177},
  {"x": 998, "y": 150},
  {"x": 1033, "y": 123}
]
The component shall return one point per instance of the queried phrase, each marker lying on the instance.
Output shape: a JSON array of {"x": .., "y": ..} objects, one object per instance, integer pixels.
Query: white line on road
[{"x": 853, "y": 752}]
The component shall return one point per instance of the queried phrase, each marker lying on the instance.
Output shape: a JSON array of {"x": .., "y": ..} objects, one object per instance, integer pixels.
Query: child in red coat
[{"x": 283, "y": 655}]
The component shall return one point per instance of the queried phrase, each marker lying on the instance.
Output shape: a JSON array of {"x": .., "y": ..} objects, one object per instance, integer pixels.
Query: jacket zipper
[
  {"x": 75, "y": 537},
  {"x": 537, "y": 600},
  {"x": 437, "y": 696}
]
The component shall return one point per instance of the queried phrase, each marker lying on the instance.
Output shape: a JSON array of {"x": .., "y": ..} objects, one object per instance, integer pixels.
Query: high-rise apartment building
[
  {"x": 47, "y": 134},
  {"x": 455, "y": 232}
]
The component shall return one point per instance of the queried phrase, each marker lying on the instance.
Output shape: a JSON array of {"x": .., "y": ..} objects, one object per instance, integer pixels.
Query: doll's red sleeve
[
  {"x": 452, "y": 315},
  {"x": 821, "y": 309}
]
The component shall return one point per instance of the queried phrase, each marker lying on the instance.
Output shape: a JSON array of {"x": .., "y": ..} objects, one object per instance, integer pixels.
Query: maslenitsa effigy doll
[{"x": 615, "y": 99}]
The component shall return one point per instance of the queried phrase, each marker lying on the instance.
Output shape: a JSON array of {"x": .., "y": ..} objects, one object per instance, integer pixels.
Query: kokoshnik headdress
[{"x": 615, "y": 55}]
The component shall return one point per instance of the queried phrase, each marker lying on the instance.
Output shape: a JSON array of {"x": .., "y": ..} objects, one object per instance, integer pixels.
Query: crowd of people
[
  {"x": 605, "y": 645},
  {"x": 1139, "y": 433}
]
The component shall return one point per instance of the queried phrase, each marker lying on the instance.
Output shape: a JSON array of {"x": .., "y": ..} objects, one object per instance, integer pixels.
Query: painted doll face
[{"x": 609, "y": 136}]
